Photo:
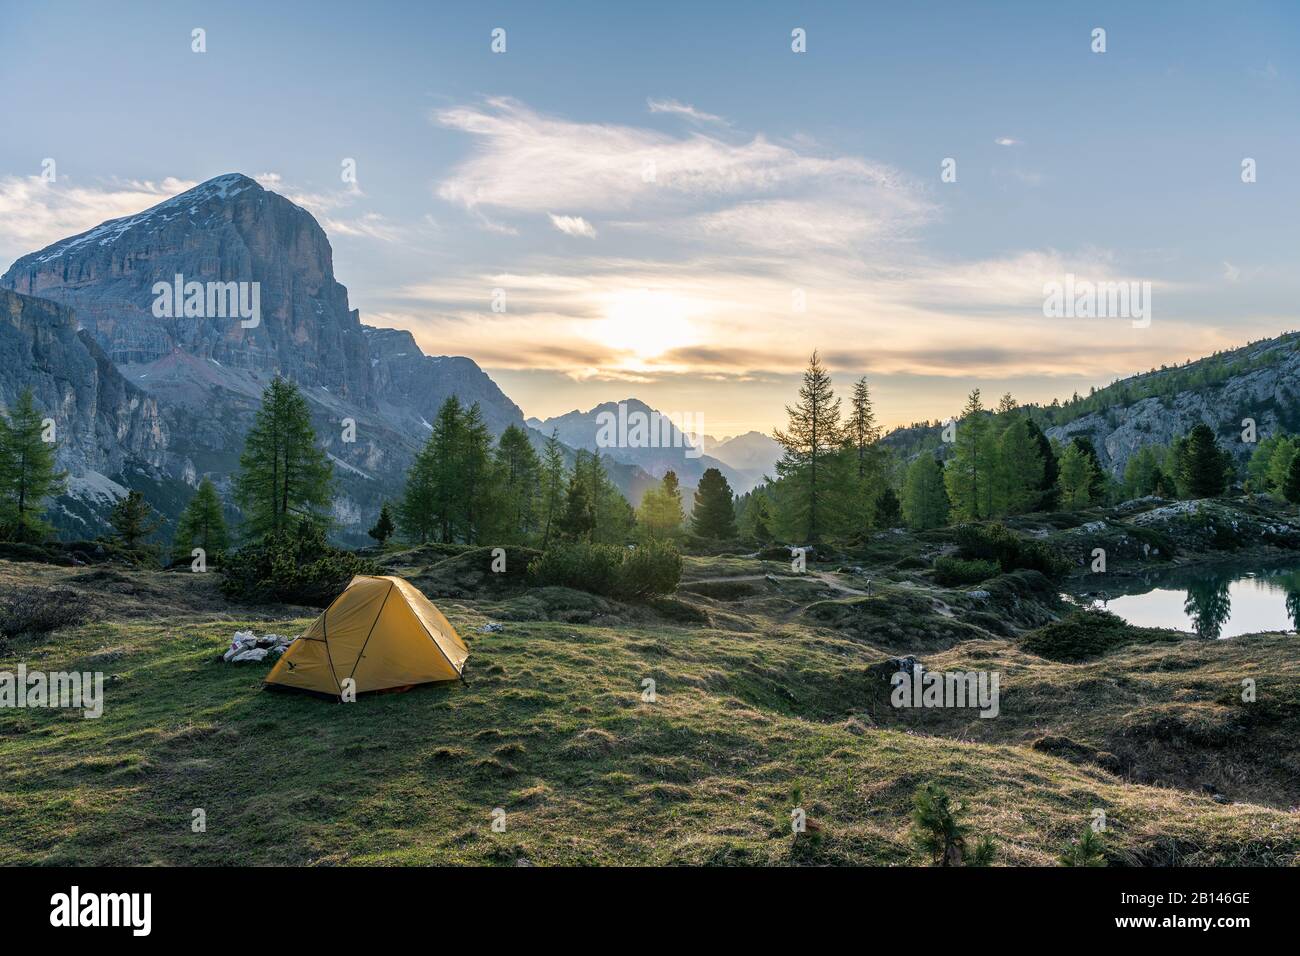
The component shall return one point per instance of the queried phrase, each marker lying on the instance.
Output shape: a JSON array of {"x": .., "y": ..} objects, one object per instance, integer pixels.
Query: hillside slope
[{"x": 1260, "y": 381}]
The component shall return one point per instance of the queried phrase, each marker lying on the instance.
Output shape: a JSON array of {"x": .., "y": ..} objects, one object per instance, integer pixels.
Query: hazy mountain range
[{"x": 744, "y": 460}]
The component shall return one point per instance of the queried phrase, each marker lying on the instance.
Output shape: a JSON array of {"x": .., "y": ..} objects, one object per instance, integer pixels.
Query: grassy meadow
[{"x": 770, "y": 686}]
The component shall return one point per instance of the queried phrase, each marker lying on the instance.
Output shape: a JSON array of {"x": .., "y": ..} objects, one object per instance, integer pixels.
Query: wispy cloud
[
  {"x": 573, "y": 226},
  {"x": 708, "y": 243},
  {"x": 528, "y": 163},
  {"x": 1007, "y": 141},
  {"x": 35, "y": 213},
  {"x": 684, "y": 110}
]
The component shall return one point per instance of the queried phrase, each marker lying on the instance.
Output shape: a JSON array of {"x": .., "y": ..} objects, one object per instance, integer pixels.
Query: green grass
[{"x": 769, "y": 696}]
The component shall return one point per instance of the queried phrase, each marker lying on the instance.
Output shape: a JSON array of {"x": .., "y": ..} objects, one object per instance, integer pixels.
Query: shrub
[
  {"x": 293, "y": 567},
  {"x": 937, "y": 829},
  {"x": 953, "y": 572},
  {"x": 1088, "y": 850},
  {"x": 653, "y": 568},
  {"x": 996, "y": 542},
  {"x": 1086, "y": 634},
  {"x": 629, "y": 574},
  {"x": 40, "y": 611}
]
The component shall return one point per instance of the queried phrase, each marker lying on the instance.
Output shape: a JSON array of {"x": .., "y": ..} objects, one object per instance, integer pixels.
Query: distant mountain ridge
[{"x": 667, "y": 449}]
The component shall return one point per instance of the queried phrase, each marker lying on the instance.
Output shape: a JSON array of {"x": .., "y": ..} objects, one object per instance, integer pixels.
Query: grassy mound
[{"x": 1087, "y": 634}]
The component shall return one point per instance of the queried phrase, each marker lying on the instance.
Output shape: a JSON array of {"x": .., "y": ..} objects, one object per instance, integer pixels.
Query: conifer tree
[
  {"x": 133, "y": 520},
  {"x": 1077, "y": 477},
  {"x": 1291, "y": 487},
  {"x": 1203, "y": 470},
  {"x": 861, "y": 430},
  {"x": 714, "y": 514},
  {"x": 1048, "y": 490},
  {"x": 810, "y": 442},
  {"x": 384, "y": 526},
  {"x": 660, "y": 515},
  {"x": 1019, "y": 470},
  {"x": 888, "y": 509},
  {"x": 202, "y": 524},
  {"x": 1141, "y": 473},
  {"x": 552, "y": 487},
  {"x": 754, "y": 516},
  {"x": 1279, "y": 466},
  {"x": 474, "y": 493},
  {"x": 612, "y": 516},
  {"x": 925, "y": 496},
  {"x": 283, "y": 476},
  {"x": 516, "y": 476},
  {"x": 1097, "y": 479},
  {"x": 578, "y": 519},
  {"x": 28, "y": 475},
  {"x": 968, "y": 475}
]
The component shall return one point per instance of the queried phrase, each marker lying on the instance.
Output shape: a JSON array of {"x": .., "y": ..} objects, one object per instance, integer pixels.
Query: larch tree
[
  {"x": 1019, "y": 470},
  {"x": 1077, "y": 477},
  {"x": 384, "y": 525},
  {"x": 283, "y": 475},
  {"x": 517, "y": 478},
  {"x": 202, "y": 524},
  {"x": 553, "y": 480},
  {"x": 810, "y": 442},
  {"x": 133, "y": 519},
  {"x": 660, "y": 514},
  {"x": 925, "y": 496},
  {"x": 28, "y": 474},
  {"x": 969, "y": 474},
  {"x": 475, "y": 494}
]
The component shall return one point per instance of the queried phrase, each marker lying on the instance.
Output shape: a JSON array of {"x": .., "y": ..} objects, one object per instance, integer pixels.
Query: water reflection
[
  {"x": 1215, "y": 601},
  {"x": 1209, "y": 606}
]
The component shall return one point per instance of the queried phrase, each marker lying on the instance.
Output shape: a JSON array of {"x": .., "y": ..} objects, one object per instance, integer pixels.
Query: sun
[{"x": 646, "y": 323}]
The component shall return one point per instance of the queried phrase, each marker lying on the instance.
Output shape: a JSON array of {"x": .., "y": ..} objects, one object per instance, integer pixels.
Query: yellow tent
[{"x": 381, "y": 632}]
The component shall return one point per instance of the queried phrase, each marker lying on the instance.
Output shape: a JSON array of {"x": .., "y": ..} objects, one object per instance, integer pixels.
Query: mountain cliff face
[
  {"x": 101, "y": 420},
  {"x": 175, "y": 393},
  {"x": 104, "y": 425}
]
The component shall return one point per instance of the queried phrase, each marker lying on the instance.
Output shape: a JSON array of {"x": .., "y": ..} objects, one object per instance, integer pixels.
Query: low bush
[
  {"x": 627, "y": 574},
  {"x": 954, "y": 572},
  {"x": 293, "y": 567},
  {"x": 1087, "y": 634},
  {"x": 996, "y": 542},
  {"x": 40, "y": 611}
]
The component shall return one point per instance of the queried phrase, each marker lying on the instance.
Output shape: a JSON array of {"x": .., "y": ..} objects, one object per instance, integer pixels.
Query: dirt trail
[{"x": 823, "y": 576}]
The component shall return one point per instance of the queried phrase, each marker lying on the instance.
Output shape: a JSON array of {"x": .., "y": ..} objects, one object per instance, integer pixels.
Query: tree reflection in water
[{"x": 1208, "y": 605}]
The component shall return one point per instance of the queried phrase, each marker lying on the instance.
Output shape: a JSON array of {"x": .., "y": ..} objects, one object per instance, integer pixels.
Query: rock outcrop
[{"x": 103, "y": 423}]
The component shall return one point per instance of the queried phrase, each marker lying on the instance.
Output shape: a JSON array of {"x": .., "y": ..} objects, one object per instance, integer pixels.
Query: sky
[{"x": 667, "y": 201}]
